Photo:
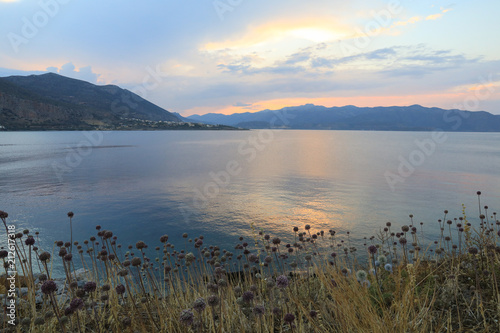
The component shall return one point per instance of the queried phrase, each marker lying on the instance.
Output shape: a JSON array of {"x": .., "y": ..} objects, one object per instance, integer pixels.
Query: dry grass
[{"x": 449, "y": 285}]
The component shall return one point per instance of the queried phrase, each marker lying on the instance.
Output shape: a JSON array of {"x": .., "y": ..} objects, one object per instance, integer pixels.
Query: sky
[{"x": 228, "y": 56}]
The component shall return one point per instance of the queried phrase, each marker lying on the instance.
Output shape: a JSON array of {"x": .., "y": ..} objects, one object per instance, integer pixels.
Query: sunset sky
[{"x": 248, "y": 55}]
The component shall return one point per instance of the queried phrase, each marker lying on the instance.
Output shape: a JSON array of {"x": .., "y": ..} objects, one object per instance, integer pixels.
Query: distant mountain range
[
  {"x": 54, "y": 102},
  {"x": 393, "y": 118}
]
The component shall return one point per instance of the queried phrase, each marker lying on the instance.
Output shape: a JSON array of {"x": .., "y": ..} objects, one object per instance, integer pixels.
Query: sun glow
[
  {"x": 314, "y": 34},
  {"x": 317, "y": 31}
]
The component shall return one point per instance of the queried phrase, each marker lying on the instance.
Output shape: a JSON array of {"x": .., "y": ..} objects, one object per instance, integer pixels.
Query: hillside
[{"x": 55, "y": 102}]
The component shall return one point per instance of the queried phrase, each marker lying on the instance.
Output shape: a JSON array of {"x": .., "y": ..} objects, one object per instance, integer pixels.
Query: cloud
[
  {"x": 417, "y": 70},
  {"x": 298, "y": 57},
  {"x": 416, "y": 19},
  {"x": 240, "y": 104},
  {"x": 420, "y": 60},
  {"x": 263, "y": 50},
  {"x": 376, "y": 55},
  {"x": 317, "y": 30},
  {"x": 316, "y": 61},
  {"x": 411, "y": 20},
  {"x": 433, "y": 17},
  {"x": 308, "y": 61},
  {"x": 83, "y": 73},
  {"x": 247, "y": 69},
  {"x": 381, "y": 53}
]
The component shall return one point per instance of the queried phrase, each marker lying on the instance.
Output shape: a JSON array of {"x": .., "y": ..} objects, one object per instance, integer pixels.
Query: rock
[
  {"x": 61, "y": 299},
  {"x": 22, "y": 292},
  {"x": 81, "y": 274},
  {"x": 60, "y": 287}
]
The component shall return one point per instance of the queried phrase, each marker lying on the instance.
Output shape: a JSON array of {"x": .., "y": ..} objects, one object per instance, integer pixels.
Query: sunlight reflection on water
[{"x": 139, "y": 185}]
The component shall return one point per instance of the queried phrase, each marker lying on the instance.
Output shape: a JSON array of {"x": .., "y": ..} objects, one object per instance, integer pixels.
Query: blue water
[{"x": 142, "y": 185}]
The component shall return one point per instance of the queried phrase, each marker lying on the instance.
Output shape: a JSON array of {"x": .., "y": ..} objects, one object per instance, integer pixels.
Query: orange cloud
[
  {"x": 411, "y": 20},
  {"x": 433, "y": 17},
  {"x": 416, "y": 19}
]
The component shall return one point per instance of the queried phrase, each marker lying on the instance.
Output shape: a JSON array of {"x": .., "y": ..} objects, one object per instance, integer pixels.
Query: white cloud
[{"x": 70, "y": 70}]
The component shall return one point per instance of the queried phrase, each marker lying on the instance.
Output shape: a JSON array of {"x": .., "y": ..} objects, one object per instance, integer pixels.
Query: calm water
[{"x": 141, "y": 185}]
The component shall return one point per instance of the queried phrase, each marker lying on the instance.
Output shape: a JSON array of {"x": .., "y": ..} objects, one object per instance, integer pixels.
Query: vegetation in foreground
[{"x": 314, "y": 284}]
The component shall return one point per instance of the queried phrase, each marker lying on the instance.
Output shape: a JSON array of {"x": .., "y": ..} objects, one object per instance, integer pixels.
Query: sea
[{"x": 224, "y": 185}]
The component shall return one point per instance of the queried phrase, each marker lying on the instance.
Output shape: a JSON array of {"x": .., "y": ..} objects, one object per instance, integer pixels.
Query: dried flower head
[
  {"x": 120, "y": 289},
  {"x": 259, "y": 310},
  {"x": 44, "y": 256},
  {"x": 282, "y": 281},
  {"x": 62, "y": 252},
  {"x": 76, "y": 304},
  {"x": 213, "y": 300},
  {"x": 49, "y": 287},
  {"x": 289, "y": 318},
  {"x": 473, "y": 250},
  {"x": 29, "y": 241},
  {"x": 90, "y": 286},
  {"x": 361, "y": 275},
  {"x": 136, "y": 262},
  {"x": 140, "y": 245},
  {"x": 248, "y": 296},
  {"x": 80, "y": 293},
  {"x": 382, "y": 259},
  {"x": 199, "y": 305},
  {"x": 187, "y": 317}
]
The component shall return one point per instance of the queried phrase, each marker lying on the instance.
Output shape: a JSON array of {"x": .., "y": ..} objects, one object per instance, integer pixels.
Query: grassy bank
[{"x": 315, "y": 284}]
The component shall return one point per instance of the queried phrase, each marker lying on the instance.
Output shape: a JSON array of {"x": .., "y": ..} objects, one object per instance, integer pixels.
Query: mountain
[
  {"x": 189, "y": 120},
  {"x": 52, "y": 101},
  {"x": 393, "y": 118}
]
